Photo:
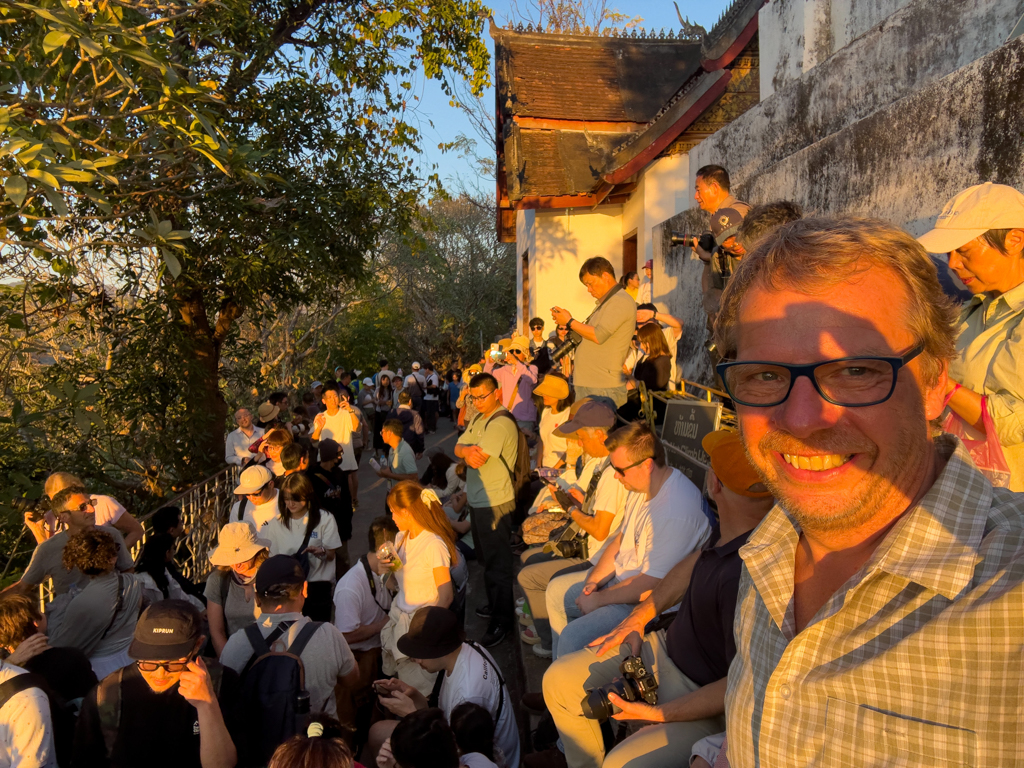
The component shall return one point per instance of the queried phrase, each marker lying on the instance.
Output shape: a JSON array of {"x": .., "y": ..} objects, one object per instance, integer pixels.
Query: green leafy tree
[{"x": 183, "y": 164}]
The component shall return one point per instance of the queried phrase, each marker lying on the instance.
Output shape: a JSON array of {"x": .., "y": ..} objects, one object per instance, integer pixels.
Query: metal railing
[{"x": 204, "y": 509}]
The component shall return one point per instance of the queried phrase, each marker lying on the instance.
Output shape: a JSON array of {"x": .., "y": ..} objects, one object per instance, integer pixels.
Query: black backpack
[
  {"x": 520, "y": 472},
  {"x": 275, "y": 702}
]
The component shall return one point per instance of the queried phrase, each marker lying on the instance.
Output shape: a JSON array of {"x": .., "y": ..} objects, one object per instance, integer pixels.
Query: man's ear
[
  {"x": 935, "y": 395},
  {"x": 305, "y": 589}
]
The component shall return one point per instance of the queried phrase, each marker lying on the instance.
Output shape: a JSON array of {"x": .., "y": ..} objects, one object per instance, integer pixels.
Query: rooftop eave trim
[
  {"x": 680, "y": 116},
  {"x": 731, "y": 34}
]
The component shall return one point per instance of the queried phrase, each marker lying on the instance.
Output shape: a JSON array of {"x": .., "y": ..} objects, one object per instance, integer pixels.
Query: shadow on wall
[{"x": 683, "y": 269}]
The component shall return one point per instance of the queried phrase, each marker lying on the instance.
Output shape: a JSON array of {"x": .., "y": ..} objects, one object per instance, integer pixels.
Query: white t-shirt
[
  {"x": 476, "y": 760},
  {"x": 286, "y": 541},
  {"x": 554, "y": 447},
  {"x": 257, "y": 516},
  {"x": 355, "y": 605},
  {"x": 430, "y": 380},
  {"x": 475, "y": 679},
  {"x": 609, "y": 496},
  {"x": 658, "y": 534},
  {"x": 420, "y": 556},
  {"x": 339, "y": 429},
  {"x": 26, "y": 730}
]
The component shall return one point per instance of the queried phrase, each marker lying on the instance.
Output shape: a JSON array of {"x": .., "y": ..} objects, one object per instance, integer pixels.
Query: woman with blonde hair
[
  {"x": 230, "y": 593},
  {"x": 428, "y": 570}
]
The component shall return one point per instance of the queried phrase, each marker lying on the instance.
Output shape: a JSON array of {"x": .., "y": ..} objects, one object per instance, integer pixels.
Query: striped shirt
[{"x": 916, "y": 660}]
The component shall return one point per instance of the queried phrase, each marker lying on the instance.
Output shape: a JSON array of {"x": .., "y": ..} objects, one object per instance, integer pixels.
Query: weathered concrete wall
[
  {"x": 677, "y": 291},
  {"x": 903, "y": 161},
  {"x": 920, "y": 44},
  {"x": 798, "y": 35},
  {"x": 923, "y": 101}
]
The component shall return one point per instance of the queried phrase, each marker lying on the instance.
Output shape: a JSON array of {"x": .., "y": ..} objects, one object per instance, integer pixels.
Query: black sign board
[
  {"x": 686, "y": 423},
  {"x": 694, "y": 470}
]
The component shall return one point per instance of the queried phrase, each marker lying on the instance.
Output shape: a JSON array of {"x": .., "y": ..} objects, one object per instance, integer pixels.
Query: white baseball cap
[
  {"x": 253, "y": 479},
  {"x": 972, "y": 213}
]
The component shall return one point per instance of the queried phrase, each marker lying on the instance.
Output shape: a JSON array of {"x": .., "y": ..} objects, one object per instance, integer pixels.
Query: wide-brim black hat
[{"x": 433, "y": 632}]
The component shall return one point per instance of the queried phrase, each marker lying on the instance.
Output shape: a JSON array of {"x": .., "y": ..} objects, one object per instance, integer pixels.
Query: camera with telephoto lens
[
  {"x": 705, "y": 240},
  {"x": 636, "y": 684},
  {"x": 572, "y": 340},
  {"x": 34, "y": 509}
]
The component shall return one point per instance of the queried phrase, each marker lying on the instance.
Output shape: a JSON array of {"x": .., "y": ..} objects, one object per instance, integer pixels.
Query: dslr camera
[
  {"x": 636, "y": 684},
  {"x": 705, "y": 240},
  {"x": 572, "y": 340}
]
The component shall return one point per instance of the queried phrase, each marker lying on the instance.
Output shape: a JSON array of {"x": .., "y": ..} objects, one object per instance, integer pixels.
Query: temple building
[{"x": 883, "y": 108}]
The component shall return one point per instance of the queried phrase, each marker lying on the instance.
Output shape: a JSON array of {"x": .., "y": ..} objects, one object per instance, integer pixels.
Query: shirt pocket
[{"x": 858, "y": 736}]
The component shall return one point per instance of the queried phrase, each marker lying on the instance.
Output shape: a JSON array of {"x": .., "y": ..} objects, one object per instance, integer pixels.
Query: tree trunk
[{"x": 208, "y": 408}]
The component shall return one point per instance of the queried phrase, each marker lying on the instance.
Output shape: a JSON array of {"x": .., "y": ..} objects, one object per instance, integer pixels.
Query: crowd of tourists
[{"x": 844, "y": 589}]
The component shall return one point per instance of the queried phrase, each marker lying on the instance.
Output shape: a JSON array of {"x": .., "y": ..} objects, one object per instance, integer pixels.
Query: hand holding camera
[{"x": 636, "y": 687}]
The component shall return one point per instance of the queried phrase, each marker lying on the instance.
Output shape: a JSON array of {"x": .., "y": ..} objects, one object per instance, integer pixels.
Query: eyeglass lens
[
  {"x": 168, "y": 666},
  {"x": 845, "y": 382}
]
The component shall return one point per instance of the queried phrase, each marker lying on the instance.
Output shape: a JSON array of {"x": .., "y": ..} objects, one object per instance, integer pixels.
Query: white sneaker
[{"x": 544, "y": 653}]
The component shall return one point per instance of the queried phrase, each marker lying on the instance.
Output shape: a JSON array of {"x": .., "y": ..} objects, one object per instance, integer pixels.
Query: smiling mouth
[{"x": 817, "y": 463}]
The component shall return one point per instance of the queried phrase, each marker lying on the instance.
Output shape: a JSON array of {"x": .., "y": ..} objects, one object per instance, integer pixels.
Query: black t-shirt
[
  {"x": 332, "y": 492},
  {"x": 654, "y": 372},
  {"x": 157, "y": 730},
  {"x": 700, "y": 640}
]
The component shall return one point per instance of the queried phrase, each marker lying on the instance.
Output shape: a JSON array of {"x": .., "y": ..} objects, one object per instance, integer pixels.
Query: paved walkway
[{"x": 372, "y": 499}]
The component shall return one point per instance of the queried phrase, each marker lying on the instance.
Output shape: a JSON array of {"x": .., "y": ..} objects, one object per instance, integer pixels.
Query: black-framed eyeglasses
[
  {"x": 171, "y": 667},
  {"x": 623, "y": 470},
  {"x": 480, "y": 398},
  {"x": 850, "y": 382}
]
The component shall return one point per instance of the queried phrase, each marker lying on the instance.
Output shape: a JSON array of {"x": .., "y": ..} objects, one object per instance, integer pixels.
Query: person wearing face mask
[
  {"x": 230, "y": 604},
  {"x": 982, "y": 230}
]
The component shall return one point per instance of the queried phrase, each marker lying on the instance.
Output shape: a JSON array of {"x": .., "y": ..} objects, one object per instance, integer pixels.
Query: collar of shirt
[
  {"x": 271, "y": 620},
  {"x": 993, "y": 309},
  {"x": 936, "y": 544}
]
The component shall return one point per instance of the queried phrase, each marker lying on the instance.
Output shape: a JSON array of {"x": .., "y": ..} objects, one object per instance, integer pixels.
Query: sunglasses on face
[
  {"x": 623, "y": 470},
  {"x": 168, "y": 666},
  {"x": 85, "y": 505}
]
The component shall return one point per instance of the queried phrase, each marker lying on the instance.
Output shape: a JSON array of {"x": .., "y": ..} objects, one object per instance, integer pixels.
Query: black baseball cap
[
  {"x": 278, "y": 571},
  {"x": 166, "y": 631},
  {"x": 433, "y": 632},
  {"x": 725, "y": 223}
]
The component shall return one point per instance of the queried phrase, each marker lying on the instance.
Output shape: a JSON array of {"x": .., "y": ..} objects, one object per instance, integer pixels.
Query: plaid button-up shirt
[{"x": 915, "y": 661}]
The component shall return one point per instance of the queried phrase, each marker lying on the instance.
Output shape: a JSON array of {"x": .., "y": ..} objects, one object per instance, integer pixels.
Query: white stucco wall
[{"x": 558, "y": 242}]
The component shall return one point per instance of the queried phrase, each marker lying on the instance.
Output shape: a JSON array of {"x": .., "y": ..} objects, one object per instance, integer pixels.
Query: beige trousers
[{"x": 661, "y": 745}]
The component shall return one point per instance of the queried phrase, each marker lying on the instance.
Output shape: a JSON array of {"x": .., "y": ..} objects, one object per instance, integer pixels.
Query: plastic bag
[{"x": 985, "y": 450}]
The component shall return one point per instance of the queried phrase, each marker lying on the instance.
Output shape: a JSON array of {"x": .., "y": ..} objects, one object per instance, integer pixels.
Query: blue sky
[{"x": 438, "y": 122}]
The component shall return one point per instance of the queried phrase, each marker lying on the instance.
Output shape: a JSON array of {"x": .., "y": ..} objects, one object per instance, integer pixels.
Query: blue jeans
[{"x": 583, "y": 629}]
